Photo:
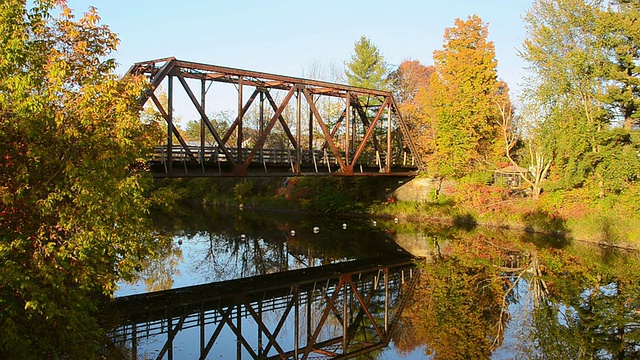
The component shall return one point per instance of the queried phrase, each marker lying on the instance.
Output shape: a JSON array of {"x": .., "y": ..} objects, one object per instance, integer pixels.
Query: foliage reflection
[{"x": 482, "y": 290}]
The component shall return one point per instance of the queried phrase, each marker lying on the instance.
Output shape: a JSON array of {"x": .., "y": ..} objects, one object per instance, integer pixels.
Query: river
[{"x": 247, "y": 284}]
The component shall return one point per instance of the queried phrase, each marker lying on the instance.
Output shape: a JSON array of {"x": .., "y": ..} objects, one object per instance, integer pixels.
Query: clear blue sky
[{"x": 287, "y": 36}]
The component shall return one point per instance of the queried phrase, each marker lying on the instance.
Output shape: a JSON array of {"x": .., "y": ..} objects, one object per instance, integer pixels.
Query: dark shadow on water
[
  {"x": 464, "y": 222},
  {"x": 545, "y": 230}
]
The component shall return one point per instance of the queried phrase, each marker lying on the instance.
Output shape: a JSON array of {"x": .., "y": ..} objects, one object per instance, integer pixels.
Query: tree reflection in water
[{"x": 484, "y": 295}]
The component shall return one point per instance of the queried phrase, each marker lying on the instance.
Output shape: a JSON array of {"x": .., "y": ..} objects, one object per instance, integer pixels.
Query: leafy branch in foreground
[{"x": 72, "y": 211}]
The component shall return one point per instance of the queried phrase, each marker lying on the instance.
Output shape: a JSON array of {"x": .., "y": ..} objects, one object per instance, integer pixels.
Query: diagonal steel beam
[
  {"x": 327, "y": 135},
  {"x": 245, "y": 108},
  {"x": 204, "y": 116},
  {"x": 171, "y": 336},
  {"x": 272, "y": 337},
  {"x": 238, "y": 333},
  {"x": 155, "y": 79},
  {"x": 323, "y": 318},
  {"x": 290, "y": 304},
  {"x": 368, "y": 135},
  {"x": 267, "y": 131},
  {"x": 335, "y": 127},
  {"x": 282, "y": 121},
  {"x": 175, "y": 131},
  {"x": 407, "y": 135},
  {"x": 365, "y": 121},
  {"x": 364, "y": 305},
  {"x": 216, "y": 333}
]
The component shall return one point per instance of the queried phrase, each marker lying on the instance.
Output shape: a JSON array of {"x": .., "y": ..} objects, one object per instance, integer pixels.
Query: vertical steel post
[
  {"x": 311, "y": 128},
  {"x": 239, "y": 333},
  {"x": 260, "y": 330},
  {"x": 296, "y": 344},
  {"x": 388, "y": 168},
  {"x": 203, "y": 92},
  {"x": 134, "y": 341},
  {"x": 261, "y": 124},
  {"x": 169, "y": 337},
  {"x": 202, "y": 333},
  {"x": 240, "y": 125},
  {"x": 299, "y": 131},
  {"x": 354, "y": 130},
  {"x": 309, "y": 309},
  {"x": 170, "y": 126},
  {"x": 386, "y": 301},
  {"x": 344, "y": 318},
  {"x": 347, "y": 119}
]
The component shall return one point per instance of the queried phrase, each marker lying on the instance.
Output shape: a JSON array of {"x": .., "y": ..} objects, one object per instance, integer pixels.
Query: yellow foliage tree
[{"x": 460, "y": 104}]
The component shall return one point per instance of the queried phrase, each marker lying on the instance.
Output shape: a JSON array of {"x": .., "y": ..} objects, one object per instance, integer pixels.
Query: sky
[{"x": 288, "y": 36}]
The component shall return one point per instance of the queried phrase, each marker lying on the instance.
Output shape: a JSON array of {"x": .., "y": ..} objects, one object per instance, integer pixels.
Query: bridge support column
[{"x": 170, "y": 126}]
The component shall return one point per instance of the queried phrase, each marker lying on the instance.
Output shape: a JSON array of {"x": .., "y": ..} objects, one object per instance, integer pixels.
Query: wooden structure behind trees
[
  {"x": 368, "y": 137},
  {"x": 511, "y": 175}
]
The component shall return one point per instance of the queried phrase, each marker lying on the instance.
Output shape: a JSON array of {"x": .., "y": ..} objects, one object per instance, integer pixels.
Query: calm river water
[{"x": 246, "y": 284}]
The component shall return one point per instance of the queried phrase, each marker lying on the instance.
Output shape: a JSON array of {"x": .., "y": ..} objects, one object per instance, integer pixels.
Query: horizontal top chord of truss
[
  {"x": 366, "y": 119},
  {"x": 159, "y": 68}
]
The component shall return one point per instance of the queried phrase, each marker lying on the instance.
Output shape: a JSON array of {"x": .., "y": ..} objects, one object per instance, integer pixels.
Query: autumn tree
[
  {"x": 72, "y": 211},
  {"x": 409, "y": 78},
  {"x": 366, "y": 68},
  {"x": 461, "y": 100},
  {"x": 410, "y": 84}
]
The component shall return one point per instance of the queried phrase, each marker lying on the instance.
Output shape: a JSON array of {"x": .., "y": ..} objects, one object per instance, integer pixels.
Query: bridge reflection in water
[{"x": 335, "y": 311}]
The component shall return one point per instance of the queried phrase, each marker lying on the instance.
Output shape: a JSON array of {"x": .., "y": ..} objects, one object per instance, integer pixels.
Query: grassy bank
[{"x": 578, "y": 215}]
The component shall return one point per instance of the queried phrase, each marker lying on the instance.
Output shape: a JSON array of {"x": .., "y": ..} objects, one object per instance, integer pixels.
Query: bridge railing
[{"x": 286, "y": 157}]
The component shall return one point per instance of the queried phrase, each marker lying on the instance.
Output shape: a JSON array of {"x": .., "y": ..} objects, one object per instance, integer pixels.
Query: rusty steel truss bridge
[{"x": 286, "y": 126}]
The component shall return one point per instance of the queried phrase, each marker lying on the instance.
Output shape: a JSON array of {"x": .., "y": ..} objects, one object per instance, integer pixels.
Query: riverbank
[
  {"x": 608, "y": 223},
  {"x": 611, "y": 221}
]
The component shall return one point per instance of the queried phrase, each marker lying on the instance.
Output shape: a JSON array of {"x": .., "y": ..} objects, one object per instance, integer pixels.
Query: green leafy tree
[
  {"x": 72, "y": 211},
  {"x": 366, "y": 68},
  {"x": 619, "y": 28},
  {"x": 582, "y": 60},
  {"x": 565, "y": 83},
  {"x": 462, "y": 98},
  {"x": 220, "y": 121},
  {"x": 590, "y": 309}
]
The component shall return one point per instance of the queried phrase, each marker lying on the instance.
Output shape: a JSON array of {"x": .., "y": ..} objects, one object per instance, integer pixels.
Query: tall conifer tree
[{"x": 366, "y": 68}]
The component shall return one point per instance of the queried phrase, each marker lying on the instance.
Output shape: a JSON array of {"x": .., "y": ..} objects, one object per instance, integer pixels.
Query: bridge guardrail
[{"x": 278, "y": 156}]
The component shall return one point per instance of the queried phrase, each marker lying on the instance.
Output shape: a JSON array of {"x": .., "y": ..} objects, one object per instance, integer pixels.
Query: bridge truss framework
[{"x": 368, "y": 136}]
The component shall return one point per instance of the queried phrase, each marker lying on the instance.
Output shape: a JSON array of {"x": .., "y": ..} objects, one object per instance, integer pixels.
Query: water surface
[{"x": 476, "y": 293}]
